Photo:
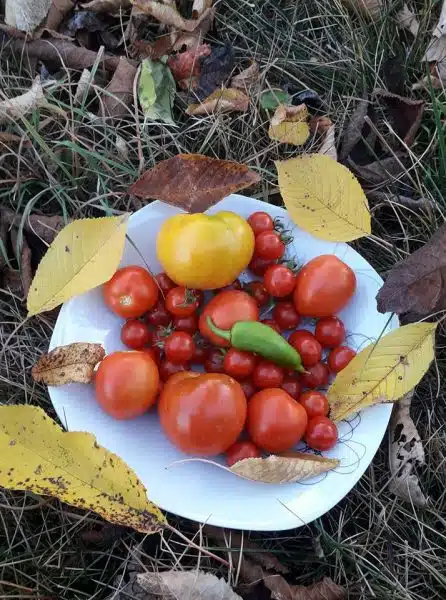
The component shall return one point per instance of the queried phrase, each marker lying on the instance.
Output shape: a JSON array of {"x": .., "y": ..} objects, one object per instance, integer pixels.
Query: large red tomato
[
  {"x": 131, "y": 292},
  {"x": 202, "y": 414},
  {"x": 323, "y": 286}
]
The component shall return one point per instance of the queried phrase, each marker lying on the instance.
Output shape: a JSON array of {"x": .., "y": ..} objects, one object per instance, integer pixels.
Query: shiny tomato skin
[
  {"x": 225, "y": 309},
  {"x": 202, "y": 414},
  {"x": 135, "y": 334},
  {"x": 260, "y": 221},
  {"x": 158, "y": 315},
  {"x": 330, "y": 332},
  {"x": 279, "y": 281},
  {"x": 307, "y": 345},
  {"x": 131, "y": 292},
  {"x": 165, "y": 283},
  {"x": 339, "y": 358},
  {"x": 182, "y": 302},
  {"x": 259, "y": 265},
  {"x": 214, "y": 361},
  {"x": 188, "y": 324},
  {"x": 248, "y": 387},
  {"x": 267, "y": 374},
  {"x": 239, "y": 364},
  {"x": 285, "y": 315},
  {"x": 321, "y": 433},
  {"x": 292, "y": 386},
  {"x": 271, "y": 323},
  {"x": 167, "y": 368},
  {"x": 324, "y": 286},
  {"x": 275, "y": 421},
  {"x": 315, "y": 403},
  {"x": 269, "y": 246},
  {"x": 126, "y": 384},
  {"x": 179, "y": 347},
  {"x": 257, "y": 290},
  {"x": 241, "y": 450},
  {"x": 316, "y": 376}
]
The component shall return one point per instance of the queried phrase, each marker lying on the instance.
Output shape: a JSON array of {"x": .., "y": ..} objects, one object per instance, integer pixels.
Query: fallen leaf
[
  {"x": 353, "y": 132},
  {"x": 91, "y": 29},
  {"x": 122, "y": 148},
  {"x": 373, "y": 9},
  {"x": 185, "y": 66},
  {"x": 320, "y": 125},
  {"x": 417, "y": 203},
  {"x": 226, "y": 100},
  {"x": 386, "y": 170},
  {"x": 417, "y": 283},
  {"x": 193, "y": 39},
  {"x": 406, "y": 454},
  {"x": 436, "y": 49},
  {"x": 84, "y": 254},
  {"x": 111, "y": 7},
  {"x": 407, "y": 19},
  {"x": 193, "y": 585},
  {"x": 247, "y": 78},
  {"x": 36, "y": 455},
  {"x": 326, "y": 589},
  {"x": 215, "y": 70},
  {"x": 168, "y": 14},
  {"x": 328, "y": 146},
  {"x": 26, "y": 15},
  {"x": 16, "y": 108},
  {"x": 332, "y": 207},
  {"x": 283, "y": 469},
  {"x": 383, "y": 372},
  {"x": 405, "y": 113},
  {"x": 117, "y": 102},
  {"x": 289, "y": 125},
  {"x": 74, "y": 363},
  {"x": 84, "y": 86},
  {"x": 193, "y": 182},
  {"x": 271, "y": 99},
  {"x": 199, "y": 6},
  {"x": 156, "y": 91},
  {"x": 57, "y": 12}
]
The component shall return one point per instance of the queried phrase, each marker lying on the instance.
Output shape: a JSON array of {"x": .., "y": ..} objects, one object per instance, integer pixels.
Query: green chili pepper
[{"x": 261, "y": 339}]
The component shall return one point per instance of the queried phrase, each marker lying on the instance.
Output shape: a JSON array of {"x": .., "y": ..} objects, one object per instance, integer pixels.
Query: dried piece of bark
[{"x": 73, "y": 363}]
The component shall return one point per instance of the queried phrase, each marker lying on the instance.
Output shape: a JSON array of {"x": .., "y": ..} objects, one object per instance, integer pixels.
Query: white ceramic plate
[{"x": 197, "y": 490}]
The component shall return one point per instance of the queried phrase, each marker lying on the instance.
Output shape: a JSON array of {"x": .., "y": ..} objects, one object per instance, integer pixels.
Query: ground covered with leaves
[{"x": 69, "y": 150}]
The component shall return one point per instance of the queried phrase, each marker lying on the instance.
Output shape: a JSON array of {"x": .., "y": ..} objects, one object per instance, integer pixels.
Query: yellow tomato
[{"x": 205, "y": 251}]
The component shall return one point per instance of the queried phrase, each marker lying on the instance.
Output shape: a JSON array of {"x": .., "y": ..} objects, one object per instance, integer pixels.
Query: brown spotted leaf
[
  {"x": 283, "y": 469},
  {"x": 193, "y": 182},
  {"x": 226, "y": 100},
  {"x": 73, "y": 363}
]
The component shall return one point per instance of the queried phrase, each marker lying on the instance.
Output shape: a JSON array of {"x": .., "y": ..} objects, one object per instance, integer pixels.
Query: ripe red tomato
[
  {"x": 248, "y": 387},
  {"x": 259, "y": 265},
  {"x": 188, "y": 324},
  {"x": 271, "y": 323},
  {"x": 154, "y": 353},
  {"x": 135, "y": 334},
  {"x": 167, "y": 368},
  {"x": 308, "y": 347},
  {"x": 260, "y": 221},
  {"x": 182, "y": 302},
  {"x": 165, "y": 283},
  {"x": 315, "y": 403},
  {"x": 225, "y": 309},
  {"x": 201, "y": 350},
  {"x": 214, "y": 361},
  {"x": 316, "y": 376},
  {"x": 266, "y": 374},
  {"x": 126, "y": 384},
  {"x": 330, "y": 332},
  {"x": 241, "y": 450},
  {"x": 339, "y": 358},
  {"x": 179, "y": 347},
  {"x": 269, "y": 246},
  {"x": 285, "y": 315},
  {"x": 239, "y": 364},
  {"x": 275, "y": 422},
  {"x": 292, "y": 386},
  {"x": 158, "y": 315},
  {"x": 257, "y": 290},
  {"x": 202, "y": 414},
  {"x": 131, "y": 292},
  {"x": 321, "y": 433},
  {"x": 323, "y": 287},
  {"x": 279, "y": 280}
]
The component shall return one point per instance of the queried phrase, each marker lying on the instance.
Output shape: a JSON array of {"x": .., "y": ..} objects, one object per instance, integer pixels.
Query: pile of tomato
[{"x": 212, "y": 397}]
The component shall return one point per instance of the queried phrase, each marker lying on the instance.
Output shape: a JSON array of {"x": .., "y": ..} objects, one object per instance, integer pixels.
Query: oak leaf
[
  {"x": 289, "y": 125},
  {"x": 283, "y": 469},
  {"x": 73, "y": 363},
  {"x": 225, "y": 100}
]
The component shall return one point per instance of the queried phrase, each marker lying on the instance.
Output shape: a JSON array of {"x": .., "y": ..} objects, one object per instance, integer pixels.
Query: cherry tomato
[
  {"x": 260, "y": 221},
  {"x": 188, "y": 324},
  {"x": 182, "y": 302},
  {"x": 158, "y": 315},
  {"x": 257, "y": 290},
  {"x": 292, "y": 386},
  {"x": 214, "y": 361},
  {"x": 179, "y": 347},
  {"x": 307, "y": 345},
  {"x": 266, "y": 374},
  {"x": 235, "y": 285},
  {"x": 165, "y": 283},
  {"x": 154, "y": 353},
  {"x": 269, "y": 246},
  {"x": 225, "y": 309},
  {"x": 315, "y": 403},
  {"x": 126, "y": 384},
  {"x": 339, "y": 358},
  {"x": 240, "y": 451},
  {"x": 259, "y": 265},
  {"x": 330, "y": 332},
  {"x": 279, "y": 280},
  {"x": 316, "y": 376},
  {"x": 271, "y": 323},
  {"x": 321, "y": 433},
  {"x": 135, "y": 334},
  {"x": 275, "y": 422},
  {"x": 239, "y": 364},
  {"x": 285, "y": 315},
  {"x": 201, "y": 350},
  {"x": 248, "y": 387},
  {"x": 323, "y": 287},
  {"x": 202, "y": 414},
  {"x": 131, "y": 292},
  {"x": 167, "y": 368}
]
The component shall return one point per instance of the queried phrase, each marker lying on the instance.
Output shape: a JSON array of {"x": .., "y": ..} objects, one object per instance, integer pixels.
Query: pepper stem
[{"x": 224, "y": 333}]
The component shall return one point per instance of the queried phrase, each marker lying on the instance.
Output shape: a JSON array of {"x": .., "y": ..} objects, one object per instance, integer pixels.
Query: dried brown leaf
[
  {"x": 195, "y": 38},
  {"x": 353, "y": 131},
  {"x": 329, "y": 143},
  {"x": 16, "y": 108},
  {"x": 199, "y": 6},
  {"x": 381, "y": 171},
  {"x": 326, "y": 589},
  {"x": 193, "y": 182},
  {"x": 185, "y": 66},
  {"x": 11, "y": 139},
  {"x": 118, "y": 101},
  {"x": 283, "y": 469},
  {"x": 193, "y": 585},
  {"x": 406, "y": 113},
  {"x": 73, "y": 363},
  {"x": 168, "y": 15},
  {"x": 320, "y": 125},
  {"x": 59, "y": 9},
  {"x": 247, "y": 78},
  {"x": 111, "y": 7},
  {"x": 226, "y": 100},
  {"x": 407, "y": 19},
  {"x": 141, "y": 49}
]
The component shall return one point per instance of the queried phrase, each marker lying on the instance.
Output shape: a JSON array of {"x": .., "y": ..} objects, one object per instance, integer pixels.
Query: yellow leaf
[
  {"x": 283, "y": 469},
  {"x": 84, "y": 254},
  {"x": 289, "y": 125},
  {"x": 383, "y": 372},
  {"x": 324, "y": 197},
  {"x": 224, "y": 100},
  {"x": 36, "y": 455}
]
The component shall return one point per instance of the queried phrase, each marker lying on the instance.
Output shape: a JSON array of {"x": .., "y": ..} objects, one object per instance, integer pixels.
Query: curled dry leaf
[
  {"x": 73, "y": 363},
  {"x": 383, "y": 372},
  {"x": 320, "y": 125},
  {"x": 185, "y": 66},
  {"x": 283, "y": 469},
  {"x": 226, "y": 100},
  {"x": 247, "y": 78},
  {"x": 117, "y": 102},
  {"x": 289, "y": 125},
  {"x": 193, "y": 182},
  {"x": 16, "y": 108},
  {"x": 193, "y": 585},
  {"x": 26, "y": 15},
  {"x": 36, "y": 455},
  {"x": 215, "y": 70},
  {"x": 328, "y": 146},
  {"x": 111, "y": 7},
  {"x": 372, "y": 9},
  {"x": 386, "y": 170},
  {"x": 167, "y": 14},
  {"x": 352, "y": 133},
  {"x": 405, "y": 113},
  {"x": 57, "y": 12}
]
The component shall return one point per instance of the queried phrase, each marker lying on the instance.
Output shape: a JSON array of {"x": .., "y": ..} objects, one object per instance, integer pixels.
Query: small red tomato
[
  {"x": 285, "y": 315},
  {"x": 179, "y": 347},
  {"x": 158, "y": 315},
  {"x": 257, "y": 290},
  {"x": 135, "y": 334},
  {"x": 201, "y": 350},
  {"x": 154, "y": 353},
  {"x": 271, "y": 323},
  {"x": 321, "y": 433},
  {"x": 269, "y": 245},
  {"x": 165, "y": 283},
  {"x": 308, "y": 347},
  {"x": 266, "y": 374},
  {"x": 240, "y": 451},
  {"x": 339, "y": 358},
  {"x": 167, "y": 368},
  {"x": 188, "y": 324},
  {"x": 182, "y": 302},
  {"x": 330, "y": 332},
  {"x": 239, "y": 364},
  {"x": 315, "y": 403},
  {"x": 214, "y": 361},
  {"x": 260, "y": 221},
  {"x": 292, "y": 386},
  {"x": 131, "y": 292},
  {"x": 279, "y": 280},
  {"x": 316, "y": 376},
  {"x": 248, "y": 387},
  {"x": 259, "y": 265}
]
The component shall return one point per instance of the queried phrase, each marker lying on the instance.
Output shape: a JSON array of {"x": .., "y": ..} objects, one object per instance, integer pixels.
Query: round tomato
[
  {"x": 225, "y": 309},
  {"x": 269, "y": 246},
  {"x": 168, "y": 368},
  {"x": 316, "y": 376},
  {"x": 279, "y": 280},
  {"x": 271, "y": 323},
  {"x": 131, "y": 292},
  {"x": 257, "y": 290},
  {"x": 259, "y": 265},
  {"x": 308, "y": 347},
  {"x": 324, "y": 286},
  {"x": 188, "y": 324},
  {"x": 214, "y": 361},
  {"x": 179, "y": 347},
  {"x": 285, "y": 315},
  {"x": 165, "y": 283},
  {"x": 330, "y": 332},
  {"x": 182, "y": 302},
  {"x": 339, "y": 358},
  {"x": 239, "y": 364},
  {"x": 267, "y": 374},
  {"x": 135, "y": 334},
  {"x": 126, "y": 384},
  {"x": 275, "y": 422},
  {"x": 315, "y": 403},
  {"x": 202, "y": 414},
  {"x": 158, "y": 315},
  {"x": 292, "y": 386},
  {"x": 241, "y": 450},
  {"x": 248, "y": 387},
  {"x": 260, "y": 221},
  {"x": 321, "y": 433}
]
